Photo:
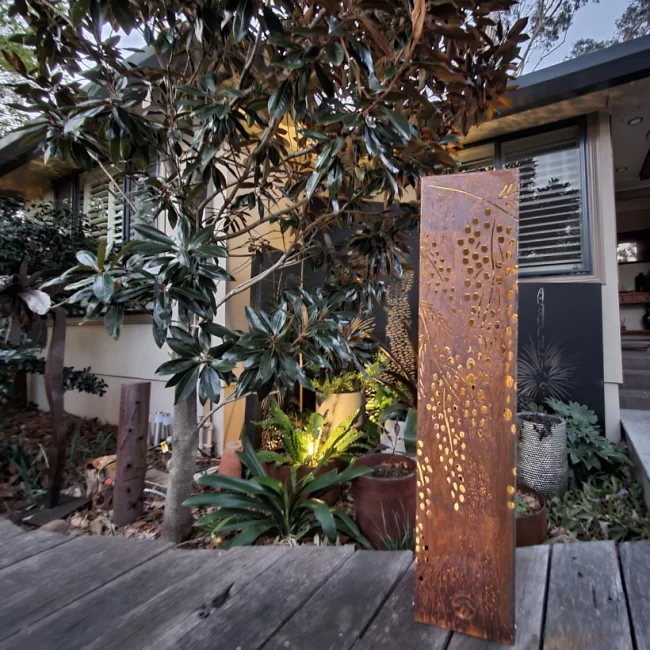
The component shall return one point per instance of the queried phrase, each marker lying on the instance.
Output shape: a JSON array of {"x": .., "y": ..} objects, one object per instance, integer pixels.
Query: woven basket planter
[{"x": 542, "y": 461}]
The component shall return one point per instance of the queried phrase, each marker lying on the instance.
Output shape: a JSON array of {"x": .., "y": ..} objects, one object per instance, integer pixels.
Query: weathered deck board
[
  {"x": 109, "y": 594},
  {"x": 183, "y": 601},
  {"x": 44, "y": 583},
  {"x": 586, "y": 604},
  {"x": 531, "y": 572},
  {"x": 334, "y": 617},
  {"x": 251, "y": 617},
  {"x": 78, "y": 626},
  {"x": 8, "y": 530},
  {"x": 394, "y": 627},
  {"x": 20, "y": 547},
  {"x": 635, "y": 559}
]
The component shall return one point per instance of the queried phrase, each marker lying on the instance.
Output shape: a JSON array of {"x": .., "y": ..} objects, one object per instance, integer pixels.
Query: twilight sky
[{"x": 593, "y": 21}]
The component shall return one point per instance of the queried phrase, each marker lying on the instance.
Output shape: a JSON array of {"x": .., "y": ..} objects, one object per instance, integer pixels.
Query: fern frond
[{"x": 265, "y": 456}]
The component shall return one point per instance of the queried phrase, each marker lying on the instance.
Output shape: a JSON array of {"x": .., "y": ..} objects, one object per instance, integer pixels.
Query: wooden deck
[{"x": 104, "y": 592}]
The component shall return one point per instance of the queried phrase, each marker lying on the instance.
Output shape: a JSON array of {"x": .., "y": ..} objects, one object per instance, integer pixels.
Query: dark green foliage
[
  {"x": 307, "y": 445},
  {"x": 265, "y": 506},
  {"x": 604, "y": 506},
  {"x": 48, "y": 237},
  {"x": 588, "y": 448}
]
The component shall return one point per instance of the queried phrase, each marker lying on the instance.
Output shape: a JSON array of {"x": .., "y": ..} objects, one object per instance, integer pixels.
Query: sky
[{"x": 595, "y": 21}]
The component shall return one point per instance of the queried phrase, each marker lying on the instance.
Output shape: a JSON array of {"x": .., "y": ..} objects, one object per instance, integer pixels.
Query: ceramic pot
[
  {"x": 230, "y": 464},
  {"x": 532, "y": 529},
  {"x": 384, "y": 507},
  {"x": 335, "y": 407},
  {"x": 283, "y": 473},
  {"x": 542, "y": 461},
  {"x": 394, "y": 442}
]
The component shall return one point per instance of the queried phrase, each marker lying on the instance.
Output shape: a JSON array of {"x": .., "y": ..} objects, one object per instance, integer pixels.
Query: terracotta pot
[
  {"x": 335, "y": 407},
  {"x": 384, "y": 506},
  {"x": 283, "y": 473},
  {"x": 532, "y": 529},
  {"x": 230, "y": 464}
]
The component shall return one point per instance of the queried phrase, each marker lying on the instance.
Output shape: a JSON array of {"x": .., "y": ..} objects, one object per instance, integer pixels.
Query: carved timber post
[
  {"x": 465, "y": 546},
  {"x": 131, "y": 452}
]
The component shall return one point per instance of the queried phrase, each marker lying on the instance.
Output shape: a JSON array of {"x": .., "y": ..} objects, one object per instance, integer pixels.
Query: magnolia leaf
[
  {"x": 86, "y": 258},
  {"x": 417, "y": 18},
  {"x": 103, "y": 287},
  {"x": 280, "y": 100},
  {"x": 37, "y": 301}
]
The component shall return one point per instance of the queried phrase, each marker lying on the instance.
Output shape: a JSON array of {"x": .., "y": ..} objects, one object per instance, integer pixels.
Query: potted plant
[
  {"x": 384, "y": 499},
  {"x": 530, "y": 512},
  {"x": 263, "y": 505},
  {"x": 397, "y": 392},
  {"x": 542, "y": 461},
  {"x": 339, "y": 385},
  {"x": 306, "y": 451}
]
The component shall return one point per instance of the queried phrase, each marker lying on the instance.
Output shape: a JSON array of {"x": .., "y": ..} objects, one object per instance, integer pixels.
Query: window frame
[{"x": 585, "y": 231}]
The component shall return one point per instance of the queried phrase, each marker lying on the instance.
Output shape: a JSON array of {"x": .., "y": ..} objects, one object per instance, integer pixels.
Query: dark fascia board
[
  {"x": 613, "y": 66},
  {"x": 14, "y": 153}
]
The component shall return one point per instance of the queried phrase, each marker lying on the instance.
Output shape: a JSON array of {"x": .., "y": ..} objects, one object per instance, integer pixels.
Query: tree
[
  {"x": 10, "y": 24},
  {"x": 286, "y": 113},
  {"x": 548, "y": 24},
  {"x": 633, "y": 23}
]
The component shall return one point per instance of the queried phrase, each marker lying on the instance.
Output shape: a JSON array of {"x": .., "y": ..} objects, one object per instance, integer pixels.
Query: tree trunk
[{"x": 177, "y": 521}]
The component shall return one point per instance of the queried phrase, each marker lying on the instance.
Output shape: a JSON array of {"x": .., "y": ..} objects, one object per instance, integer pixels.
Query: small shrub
[
  {"x": 588, "y": 448},
  {"x": 604, "y": 506},
  {"x": 347, "y": 381}
]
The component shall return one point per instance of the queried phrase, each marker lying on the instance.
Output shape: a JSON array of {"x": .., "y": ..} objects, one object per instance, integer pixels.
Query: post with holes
[
  {"x": 465, "y": 526},
  {"x": 131, "y": 452}
]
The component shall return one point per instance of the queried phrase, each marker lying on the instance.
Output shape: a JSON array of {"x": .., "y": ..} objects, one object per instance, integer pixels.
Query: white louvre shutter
[
  {"x": 103, "y": 206},
  {"x": 551, "y": 211}
]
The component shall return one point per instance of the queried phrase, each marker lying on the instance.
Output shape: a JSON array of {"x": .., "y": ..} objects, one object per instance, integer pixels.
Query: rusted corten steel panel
[{"x": 465, "y": 544}]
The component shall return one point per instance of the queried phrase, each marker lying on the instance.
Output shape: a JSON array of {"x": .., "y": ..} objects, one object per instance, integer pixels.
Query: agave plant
[
  {"x": 262, "y": 505},
  {"x": 307, "y": 446}
]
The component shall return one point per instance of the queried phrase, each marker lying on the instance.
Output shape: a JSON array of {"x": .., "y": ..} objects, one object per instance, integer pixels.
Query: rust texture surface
[
  {"x": 131, "y": 452},
  {"x": 465, "y": 542}
]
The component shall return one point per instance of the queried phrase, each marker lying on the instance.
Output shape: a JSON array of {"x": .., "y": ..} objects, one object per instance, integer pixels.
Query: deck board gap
[
  {"x": 635, "y": 645},
  {"x": 383, "y": 602},
  {"x": 308, "y": 597}
]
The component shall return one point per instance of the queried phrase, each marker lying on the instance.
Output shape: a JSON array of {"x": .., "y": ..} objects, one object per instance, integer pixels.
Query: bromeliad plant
[
  {"x": 307, "y": 446},
  {"x": 262, "y": 505}
]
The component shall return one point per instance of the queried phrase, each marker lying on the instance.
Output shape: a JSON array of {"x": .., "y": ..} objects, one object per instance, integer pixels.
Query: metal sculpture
[{"x": 465, "y": 528}]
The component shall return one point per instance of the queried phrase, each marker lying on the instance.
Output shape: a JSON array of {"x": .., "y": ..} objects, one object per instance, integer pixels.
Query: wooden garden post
[
  {"x": 131, "y": 452},
  {"x": 465, "y": 545}
]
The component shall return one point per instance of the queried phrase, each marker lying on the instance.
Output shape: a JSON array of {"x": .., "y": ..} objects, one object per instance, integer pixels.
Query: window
[
  {"x": 103, "y": 205},
  {"x": 553, "y": 234},
  {"x": 66, "y": 193},
  {"x": 108, "y": 215}
]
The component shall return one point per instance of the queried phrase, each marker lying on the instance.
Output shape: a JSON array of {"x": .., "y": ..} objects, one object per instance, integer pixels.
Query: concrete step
[
  {"x": 636, "y": 379},
  {"x": 636, "y": 429},
  {"x": 634, "y": 398},
  {"x": 636, "y": 360}
]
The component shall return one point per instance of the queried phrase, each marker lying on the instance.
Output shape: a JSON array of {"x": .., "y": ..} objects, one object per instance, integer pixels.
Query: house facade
[{"x": 579, "y": 133}]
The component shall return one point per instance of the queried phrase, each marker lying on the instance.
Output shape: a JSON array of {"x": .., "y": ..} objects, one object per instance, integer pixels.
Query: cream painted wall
[
  {"x": 134, "y": 357},
  {"x": 603, "y": 211}
]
